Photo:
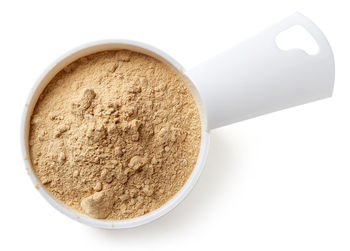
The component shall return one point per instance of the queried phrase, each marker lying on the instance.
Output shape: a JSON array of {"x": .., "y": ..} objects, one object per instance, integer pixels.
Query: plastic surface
[{"x": 256, "y": 77}]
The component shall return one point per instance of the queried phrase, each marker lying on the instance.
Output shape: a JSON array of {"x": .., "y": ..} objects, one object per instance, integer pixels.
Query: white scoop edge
[{"x": 256, "y": 77}]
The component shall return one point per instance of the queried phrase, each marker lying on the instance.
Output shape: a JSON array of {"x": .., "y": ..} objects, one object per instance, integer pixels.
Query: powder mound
[
  {"x": 84, "y": 103},
  {"x": 115, "y": 135}
]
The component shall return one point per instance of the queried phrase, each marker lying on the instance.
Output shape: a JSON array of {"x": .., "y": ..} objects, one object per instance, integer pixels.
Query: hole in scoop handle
[{"x": 256, "y": 77}]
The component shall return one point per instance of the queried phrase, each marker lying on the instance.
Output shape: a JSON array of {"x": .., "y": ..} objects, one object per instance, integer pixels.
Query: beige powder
[{"x": 115, "y": 135}]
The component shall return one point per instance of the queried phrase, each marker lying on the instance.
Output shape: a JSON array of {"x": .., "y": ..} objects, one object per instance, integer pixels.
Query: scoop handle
[{"x": 256, "y": 77}]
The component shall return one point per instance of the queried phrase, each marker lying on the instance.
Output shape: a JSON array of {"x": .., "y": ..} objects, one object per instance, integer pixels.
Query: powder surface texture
[{"x": 115, "y": 135}]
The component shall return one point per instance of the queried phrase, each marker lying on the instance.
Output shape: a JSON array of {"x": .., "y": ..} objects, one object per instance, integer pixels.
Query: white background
[{"x": 277, "y": 182}]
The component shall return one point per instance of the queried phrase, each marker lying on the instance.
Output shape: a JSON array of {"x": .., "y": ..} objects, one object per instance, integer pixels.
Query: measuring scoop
[{"x": 251, "y": 79}]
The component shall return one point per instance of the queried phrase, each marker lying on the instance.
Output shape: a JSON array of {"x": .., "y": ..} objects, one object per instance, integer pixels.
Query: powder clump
[
  {"x": 97, "y": 205},
  {"x": 115, "y": 135}
]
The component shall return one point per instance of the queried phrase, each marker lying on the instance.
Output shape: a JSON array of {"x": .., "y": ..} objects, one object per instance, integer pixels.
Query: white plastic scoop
[
  {"x": 249, "y": 80},
  {"x": 256, "y": 77}
]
